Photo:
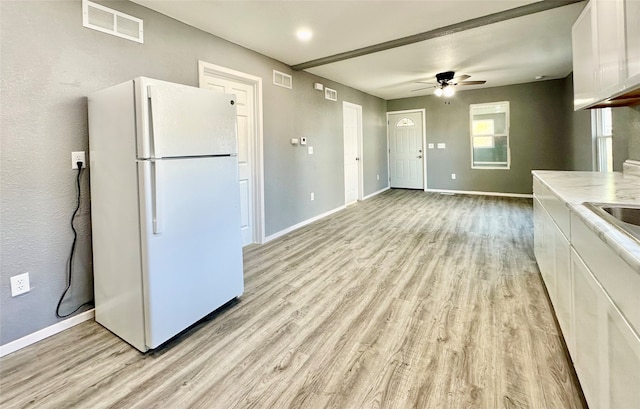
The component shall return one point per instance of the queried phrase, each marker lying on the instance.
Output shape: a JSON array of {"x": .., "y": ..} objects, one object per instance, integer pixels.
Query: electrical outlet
[
  {"x": 453, "y": 176},
  {"x": 313, "y": 196},
  {"x": 377, "y": 177},
  {"x": 78, "y": 157},
  {"x": 20, "y": 284}
]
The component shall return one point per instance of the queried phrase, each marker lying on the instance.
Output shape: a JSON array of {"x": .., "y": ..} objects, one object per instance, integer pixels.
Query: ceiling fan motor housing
[{"x": 445, "y": 77}]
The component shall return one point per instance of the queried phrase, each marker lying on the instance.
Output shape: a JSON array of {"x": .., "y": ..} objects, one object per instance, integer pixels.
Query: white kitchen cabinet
[
  {"x": 552, "y": 251},
  {"x": 563, "y": 304},
  {"x": 609, "y": 38},
  {"x": 631, "y": 64},
  {"x": 584, "y": 76},
  {"x": 589, "y": 338},
  {"x": 623, "y": 364},
  {"x": 606, "y": 53},
  {"x": 621, "y": 282},
  {"x": 607, "y": 350}
]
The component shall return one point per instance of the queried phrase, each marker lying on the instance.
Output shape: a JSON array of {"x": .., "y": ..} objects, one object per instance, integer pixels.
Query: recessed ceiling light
[{"x": 304, "y": 34}]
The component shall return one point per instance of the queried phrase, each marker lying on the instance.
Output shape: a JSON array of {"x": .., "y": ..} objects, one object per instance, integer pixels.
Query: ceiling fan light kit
[{"x": 448, "y": 92}]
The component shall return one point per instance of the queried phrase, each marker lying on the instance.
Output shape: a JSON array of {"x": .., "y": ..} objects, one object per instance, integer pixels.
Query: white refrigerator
[{"x": 165, "y": 207}]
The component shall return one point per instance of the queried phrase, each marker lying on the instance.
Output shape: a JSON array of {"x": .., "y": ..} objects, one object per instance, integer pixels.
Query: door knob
[
  {"x": 357, "y": 158},
  {"x": 419, "y": 156}
]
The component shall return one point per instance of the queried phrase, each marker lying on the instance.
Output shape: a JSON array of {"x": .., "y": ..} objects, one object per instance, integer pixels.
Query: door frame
[
  {"x": 423, "y": 113},
  {"x": 358, "y": 109},
  {"x": 205, "y": 70}
]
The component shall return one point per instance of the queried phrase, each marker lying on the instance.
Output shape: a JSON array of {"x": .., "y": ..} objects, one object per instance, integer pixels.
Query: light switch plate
[
  {"x": 442, "y": 145},
  {"x": 431, "y": 146},
  {"x": 310, "y": 149},
  {"x": 294, "y": 141}
]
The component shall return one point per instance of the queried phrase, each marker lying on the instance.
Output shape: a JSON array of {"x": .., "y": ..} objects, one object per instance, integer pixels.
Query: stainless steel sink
[
  {"x": 629, "y": 215},
  {"x": 625, "y": 217}
]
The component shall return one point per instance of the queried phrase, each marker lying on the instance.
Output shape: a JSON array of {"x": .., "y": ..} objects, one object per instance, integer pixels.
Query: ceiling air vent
[
  {"x": 106, "y": 20},
  {"x": 330, "y": 94},
  {"x": 282, "y": 80}
]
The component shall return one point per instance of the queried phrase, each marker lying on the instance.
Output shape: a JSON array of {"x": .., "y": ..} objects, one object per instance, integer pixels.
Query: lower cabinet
[
  {"x": 596, "y": 298},
  {"x": 607, "y": 351},
  {"x": 552, "y": 251}
]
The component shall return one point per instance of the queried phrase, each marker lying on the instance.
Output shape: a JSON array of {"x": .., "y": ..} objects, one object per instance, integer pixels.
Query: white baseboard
[
  {"x": 376, "y": 193},
  {"x": 469, "y": 192},
  {"x": 302, "y": 224},
  {"x": 30, "y": 339}
]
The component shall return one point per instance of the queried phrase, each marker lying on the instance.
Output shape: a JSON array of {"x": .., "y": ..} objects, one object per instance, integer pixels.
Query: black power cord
[{"x": 73, "y": 248}]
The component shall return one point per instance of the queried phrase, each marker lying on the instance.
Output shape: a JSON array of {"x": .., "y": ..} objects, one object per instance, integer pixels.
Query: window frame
[
  {"x": 493, "y": 136},
  {"x": 603, "y": 139}
]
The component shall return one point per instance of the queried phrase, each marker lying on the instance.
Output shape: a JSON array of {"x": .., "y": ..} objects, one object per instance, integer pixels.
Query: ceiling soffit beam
[{"x": 439, "y": 32}]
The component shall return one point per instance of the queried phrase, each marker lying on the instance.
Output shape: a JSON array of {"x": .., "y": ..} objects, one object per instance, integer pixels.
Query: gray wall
[
  {"x": 49, "y": 63},
  {"x": 625, "y": 138},
  {"x": 626, "y": 135},
  {"x": 537, "y": 136},
  {"x": 634, "y": 139},
  {"x": 578, "y": 132}
]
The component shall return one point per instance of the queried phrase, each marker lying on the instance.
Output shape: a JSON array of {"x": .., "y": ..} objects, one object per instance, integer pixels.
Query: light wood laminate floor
[{"x": 406, "y": 300}]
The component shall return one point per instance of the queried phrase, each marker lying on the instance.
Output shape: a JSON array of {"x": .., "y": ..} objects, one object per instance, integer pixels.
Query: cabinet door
[
  {"x": 590, "y": 342},
  {"x": 632, "y": 42},
  {"x": 623, "y": 382},
  {"x": 549, "y": 246},
  {"x": 564, "y": 283},
  {"x": 584, "y": 85},
  {"x": 538, "y": 231},
  {"x": 609, "y": 46}
]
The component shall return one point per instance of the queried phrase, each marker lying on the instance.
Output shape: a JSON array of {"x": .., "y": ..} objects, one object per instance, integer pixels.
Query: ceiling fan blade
[
  {"x": 471, "y": 83},
  {"x": 460, "y": 78},
  {"x": 425, "y": 82},
  {"x": 420, "y": 89}
]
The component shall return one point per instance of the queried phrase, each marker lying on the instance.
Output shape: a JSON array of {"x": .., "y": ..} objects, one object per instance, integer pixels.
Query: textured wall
[
  {"x": 634, "y": 139},
  {"x": 626, "y": 135},
  {"x": 49, "y": 63},
  {"x": 580, "y": 139},
  {"x": 537, "y": 136}
]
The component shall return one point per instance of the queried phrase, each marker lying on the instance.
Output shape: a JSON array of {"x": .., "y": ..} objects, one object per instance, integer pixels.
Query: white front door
[
  {"x": 406, "y": 153},
  {"x": 246, "y": 138},
  {"x": 352, "y": 131}
]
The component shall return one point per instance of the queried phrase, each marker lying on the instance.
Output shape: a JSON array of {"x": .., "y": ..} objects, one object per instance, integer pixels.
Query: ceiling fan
[{"x": 445, "y": 83}]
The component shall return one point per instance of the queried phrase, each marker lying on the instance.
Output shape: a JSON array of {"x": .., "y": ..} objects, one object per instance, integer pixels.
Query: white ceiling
[{"x": 509, "y": 52}]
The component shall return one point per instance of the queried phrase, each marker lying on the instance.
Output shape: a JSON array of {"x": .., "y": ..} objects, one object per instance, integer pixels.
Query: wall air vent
[
  {"x": 330, "y": 94},
  {"x": 106, "y": 20},
  {"x": 282, "y": 80}
]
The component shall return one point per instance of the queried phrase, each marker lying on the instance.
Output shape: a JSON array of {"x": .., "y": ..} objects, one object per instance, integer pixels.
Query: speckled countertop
[{"x": 575, "y": 188}]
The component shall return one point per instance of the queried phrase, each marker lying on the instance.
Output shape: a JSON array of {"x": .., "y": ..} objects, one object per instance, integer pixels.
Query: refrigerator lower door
[{"x": 191, "y": 241}]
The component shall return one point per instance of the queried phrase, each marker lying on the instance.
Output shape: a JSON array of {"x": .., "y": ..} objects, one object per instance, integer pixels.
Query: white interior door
[
  {"x": 406, "y": 153},
  {"x": 246, "y": 138},
  {"x": 352, "y": 131}
]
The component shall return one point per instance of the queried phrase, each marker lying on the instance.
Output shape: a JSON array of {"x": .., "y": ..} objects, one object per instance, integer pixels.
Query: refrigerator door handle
[
  {"x": 157, "y": 196},
  {"x": 150, "y": 124}
]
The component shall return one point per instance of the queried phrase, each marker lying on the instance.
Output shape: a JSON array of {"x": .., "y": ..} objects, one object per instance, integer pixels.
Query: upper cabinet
[{"x": 606, "y": 54}]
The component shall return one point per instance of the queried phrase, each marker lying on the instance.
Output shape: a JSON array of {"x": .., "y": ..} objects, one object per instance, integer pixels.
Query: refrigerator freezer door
[
  {"x": 181, "y": 121},
  {"x": 193, "y": 264}
]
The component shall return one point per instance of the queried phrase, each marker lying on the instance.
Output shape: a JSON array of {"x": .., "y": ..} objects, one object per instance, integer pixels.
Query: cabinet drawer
[
  {"x": 620, "y": 281},
  {"x": 559, "y": 212}
]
